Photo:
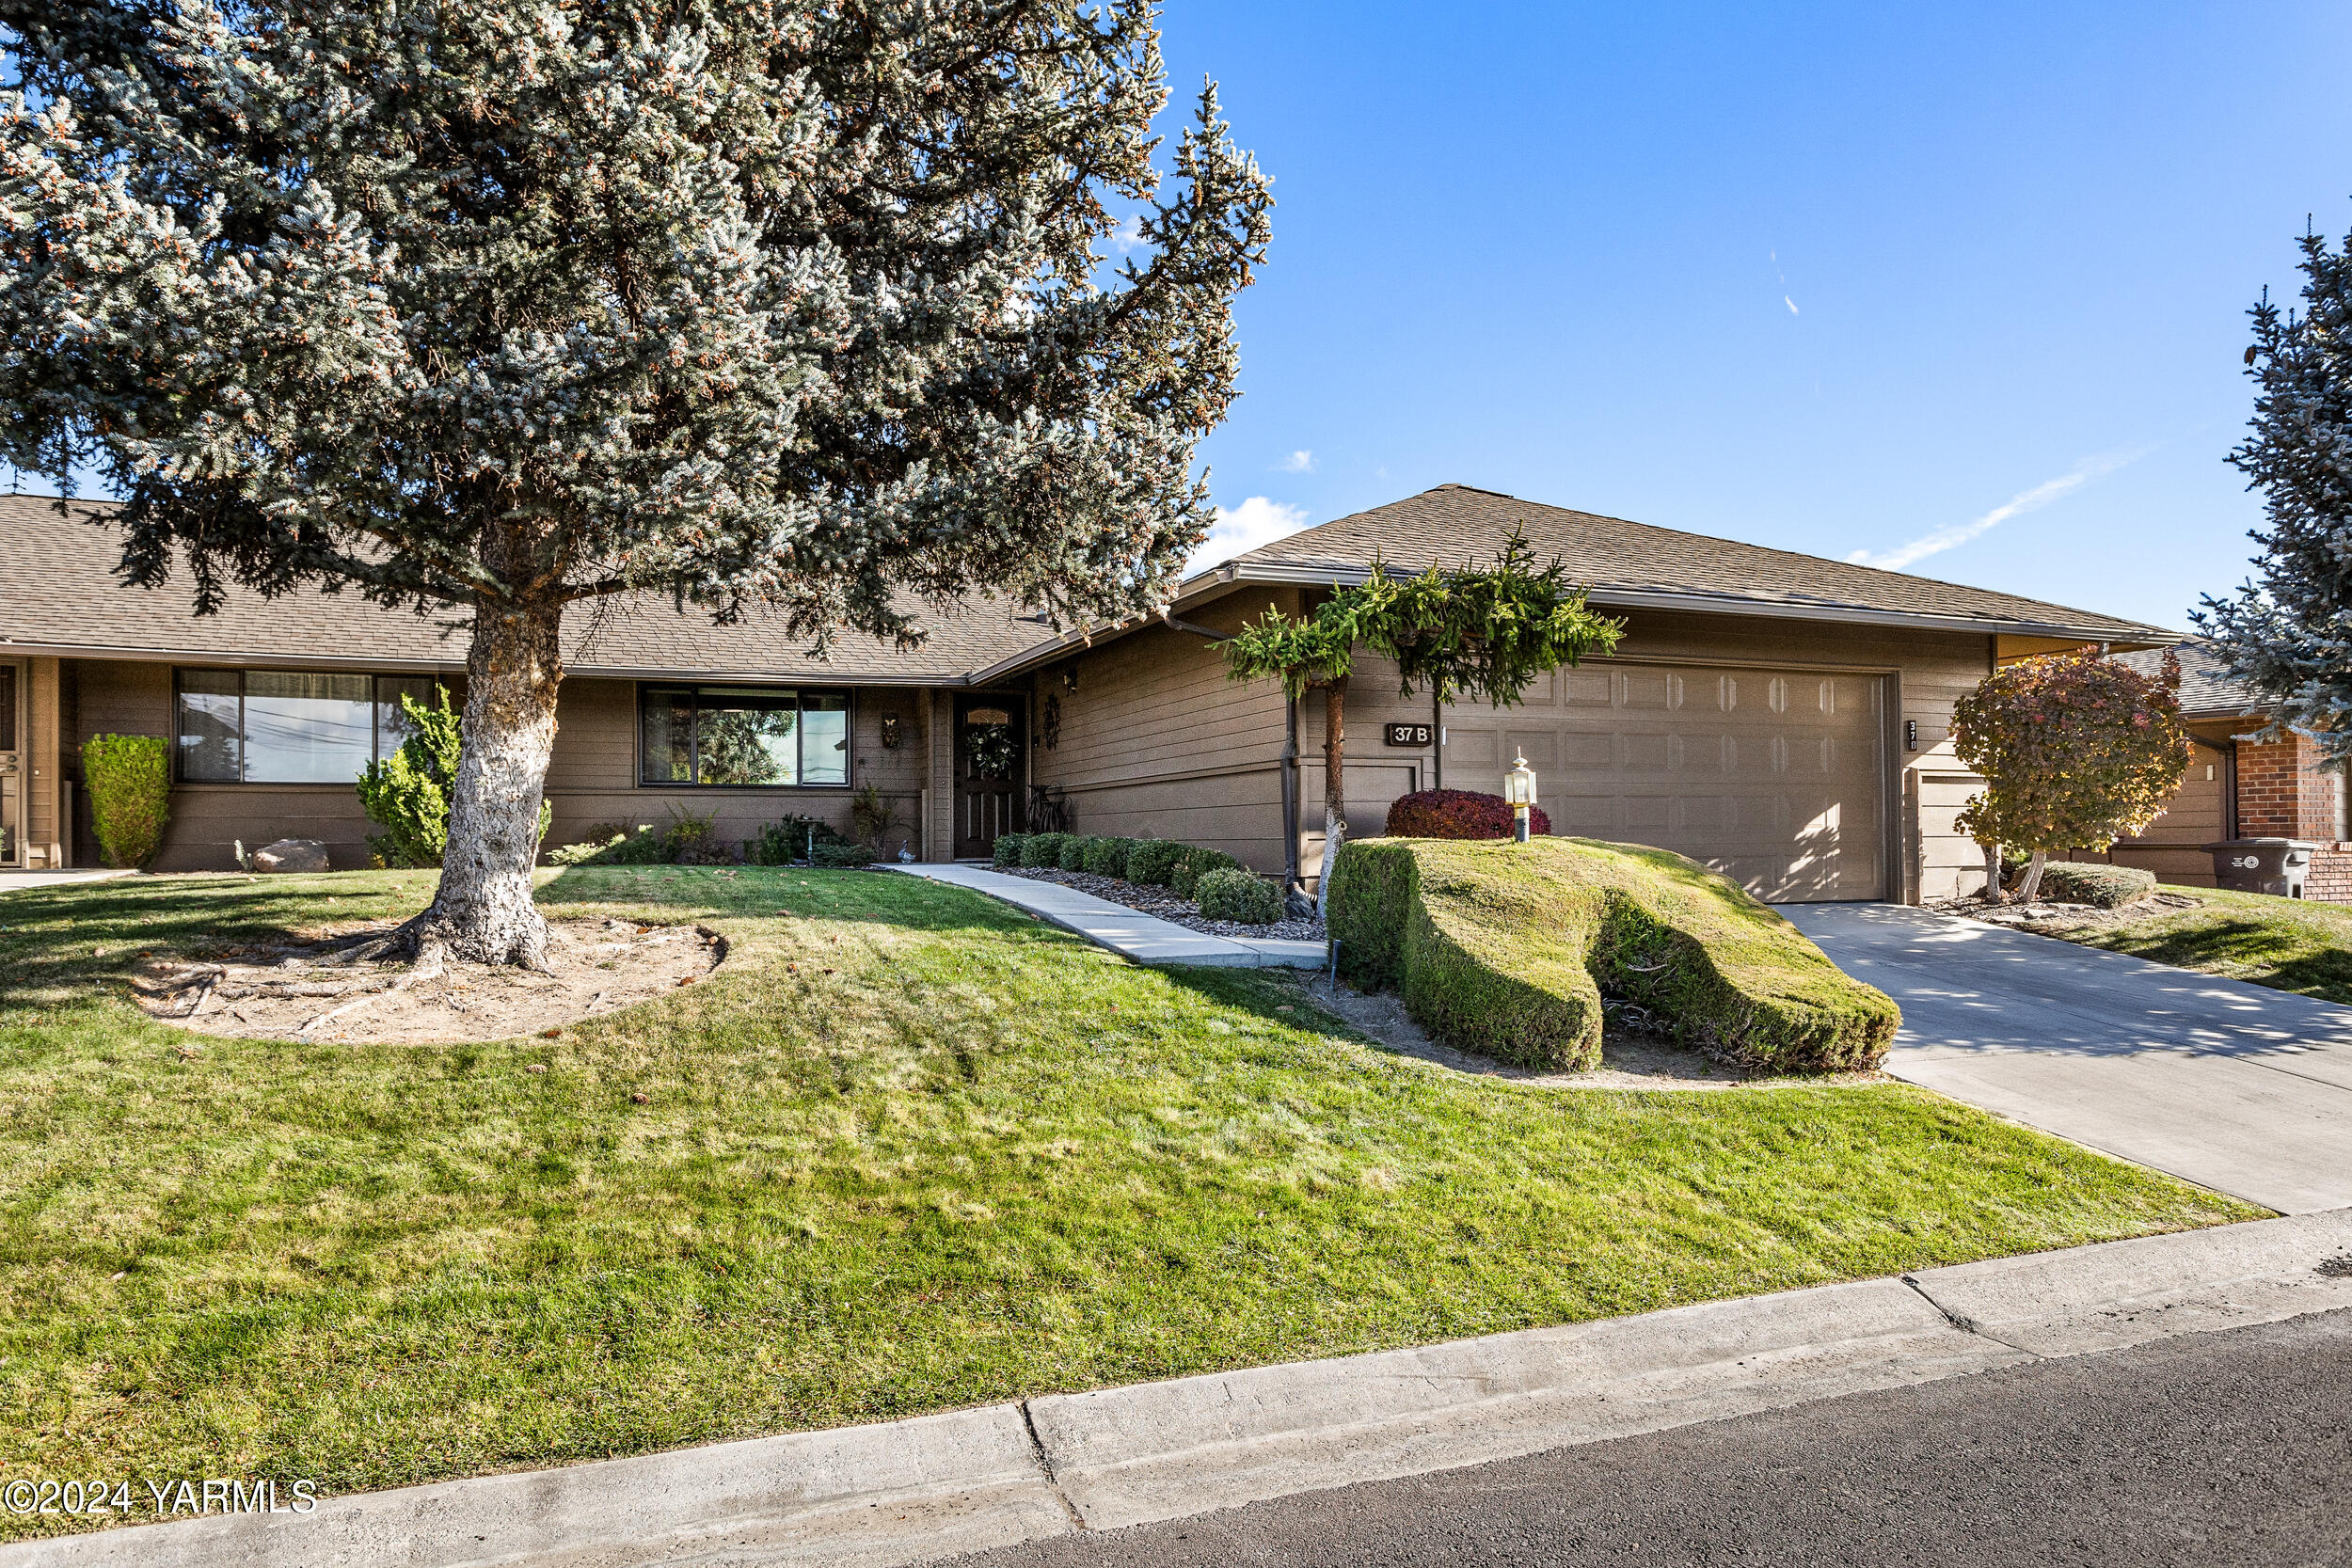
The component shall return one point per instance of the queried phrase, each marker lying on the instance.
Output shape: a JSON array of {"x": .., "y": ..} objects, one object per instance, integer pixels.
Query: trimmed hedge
[
  {"x": 1153, "y": 860},
  {"x": 129, "y": 779},
  {"x": 1456, "y": 814},
  {"x": 1243, "y": 896},
  {"x": 1074, "y": 853},
  {"x": 1506, "y": 949},
  {"x": 1008, "y": 850},
  {"x": 843, "y": 856},
  {"x": 1108, "y": 857},
  {"x": 1194, "y": 863},
  {"x": 1042, "y": 851},
  {"x": 2108, "y": 887}
]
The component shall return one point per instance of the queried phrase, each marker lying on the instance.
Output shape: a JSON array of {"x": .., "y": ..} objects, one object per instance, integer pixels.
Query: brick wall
[
  {"x": 2282, "y": 795},
  {"x": 2330, "y": 878}
]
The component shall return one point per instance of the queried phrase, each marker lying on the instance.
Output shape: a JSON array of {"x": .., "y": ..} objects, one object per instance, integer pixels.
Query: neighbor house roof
[
  {"x": 2207, "y": 689},
  {"x": 59, "y": 594},
  {"x": 1636, "y": 564}
]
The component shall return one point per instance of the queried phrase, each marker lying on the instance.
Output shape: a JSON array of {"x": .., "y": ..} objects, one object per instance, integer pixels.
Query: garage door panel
[{"x": 1772, "y": 777}]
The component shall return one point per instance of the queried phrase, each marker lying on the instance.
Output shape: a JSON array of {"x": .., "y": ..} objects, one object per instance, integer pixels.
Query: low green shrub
[
  {"x": 1074, "y": 853},
  {"x": 1152, "y": 859},
  {"x": 407, "y": 793},
  {"x": 2108, "y": 887},
  {"x": 1008, "y": 849},
  {"x": 129, "y": 780},
  {"x": 1042, "y": 851},
  {"x": 840, "y": 855},
  {"x": 1507, "y": 949},
  {"x": 1193, "y": 864},
  {"x": 1108, "y": 857},
  {"x": 685, "y": 839},
  {"x": 786, "y": 841},
  {"x": 595, "y": 849},
  {"x": 1243, "y": 896}
]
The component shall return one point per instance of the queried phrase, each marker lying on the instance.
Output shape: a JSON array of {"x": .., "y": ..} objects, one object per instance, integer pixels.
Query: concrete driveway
[{"x": 2229, "y": 1084}]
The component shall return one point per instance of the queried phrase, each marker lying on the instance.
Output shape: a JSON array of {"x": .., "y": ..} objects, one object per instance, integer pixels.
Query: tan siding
[{"x": 43, "y": 762}]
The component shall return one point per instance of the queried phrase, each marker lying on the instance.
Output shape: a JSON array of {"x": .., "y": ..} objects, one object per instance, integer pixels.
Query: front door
[{"x": 990, "y": 747}]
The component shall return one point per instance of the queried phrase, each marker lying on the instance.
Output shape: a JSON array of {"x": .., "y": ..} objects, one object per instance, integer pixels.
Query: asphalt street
[{"x": 2229, "y": 1448}]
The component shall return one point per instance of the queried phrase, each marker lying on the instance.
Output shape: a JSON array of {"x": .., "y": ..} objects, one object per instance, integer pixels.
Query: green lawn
[
  {"x": 2286, "y": 944},
  {"x": 908, "y": 1150}
]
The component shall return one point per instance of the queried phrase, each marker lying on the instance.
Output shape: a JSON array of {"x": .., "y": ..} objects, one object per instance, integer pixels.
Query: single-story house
[
  {"x": 1779, "y": 716},
  {"x": 2238, "y": 786}
]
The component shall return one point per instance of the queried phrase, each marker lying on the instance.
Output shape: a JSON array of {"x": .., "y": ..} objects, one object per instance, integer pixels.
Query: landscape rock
[{"x": 290, "y": 855}]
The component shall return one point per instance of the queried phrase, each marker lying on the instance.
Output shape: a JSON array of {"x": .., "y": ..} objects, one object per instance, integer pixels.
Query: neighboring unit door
[
  {"x": 990, "y": 741},
  {"x": 1775, "y": 778}
]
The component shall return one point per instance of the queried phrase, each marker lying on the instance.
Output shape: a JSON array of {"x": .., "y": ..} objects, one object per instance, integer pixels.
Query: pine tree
[
  {"x": 2289, "y": 633},
  {"x": 777, "y": 308}
]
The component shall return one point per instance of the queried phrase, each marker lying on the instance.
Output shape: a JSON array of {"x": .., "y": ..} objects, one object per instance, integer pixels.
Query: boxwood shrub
[
  {"x": 1008, "y": 849},
  {"x": 2109, "y": 887},
  {"x": 1456, "y": 814},
  {"x": 1507, "y": 949},
  {"x": 1074, "y": 853},
  {"x": 1152, "y": 859},
  {"x": 842, "y": 855},
  {"x": 1194, "y": 863},
  {"x": 1043, "y": 850},
  {"x": 1243, "y": 896},
  {"x": 1108, "y": 857}
]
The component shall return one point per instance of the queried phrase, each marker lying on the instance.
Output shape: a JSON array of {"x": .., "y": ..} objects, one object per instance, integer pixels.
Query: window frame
[
  {"x": 695, "y": 688},
  {"x": 375, "y": 721}
]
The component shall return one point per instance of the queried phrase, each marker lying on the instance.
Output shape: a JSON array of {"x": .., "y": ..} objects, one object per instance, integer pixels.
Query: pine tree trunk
[
  {"x": 1992, "y": 873},
  {"x": 482, "y": 911},
  {"x": 2033, "y": 877},
  {"x": 1334, "y": 789}
]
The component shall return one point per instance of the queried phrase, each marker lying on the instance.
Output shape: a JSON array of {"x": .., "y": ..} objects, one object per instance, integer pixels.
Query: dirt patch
[
  {"x": 319, "y": 991},
  {"x": 1630, "y": 1058},
  {"x": 2038, "y": 917},
  {"x": 1164, "y": 904}
]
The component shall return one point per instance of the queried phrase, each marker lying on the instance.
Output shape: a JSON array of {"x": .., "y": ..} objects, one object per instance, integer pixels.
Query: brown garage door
[{"x": 1773, "y": 777}]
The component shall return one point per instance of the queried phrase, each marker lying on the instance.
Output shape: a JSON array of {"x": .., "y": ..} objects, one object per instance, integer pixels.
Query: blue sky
[{"x": 1960, "y": 288}]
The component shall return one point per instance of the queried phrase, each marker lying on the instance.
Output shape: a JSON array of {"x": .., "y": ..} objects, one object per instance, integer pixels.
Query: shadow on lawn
[{"x": 2254, "y": 950}]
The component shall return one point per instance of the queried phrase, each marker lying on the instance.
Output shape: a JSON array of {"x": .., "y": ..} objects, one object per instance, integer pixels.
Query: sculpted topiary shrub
[
  {"x": 2076, "y": 750},
  {"x": 1508, "y": 949},
  {"x": 129, "y": 779},
  {"x": 1242, "y": 896},
  {"x": 1456, "y": 814},
  {"x": 2107, "y": 887}
]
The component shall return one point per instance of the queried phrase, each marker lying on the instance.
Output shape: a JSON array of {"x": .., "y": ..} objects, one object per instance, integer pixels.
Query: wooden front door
[{"x": 991, "y": 744}]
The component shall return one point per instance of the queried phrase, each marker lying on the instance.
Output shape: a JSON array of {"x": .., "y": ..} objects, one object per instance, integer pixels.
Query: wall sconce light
[
  {"x": 1070, "y": 678},
  {"x": 890, "y": 732}
]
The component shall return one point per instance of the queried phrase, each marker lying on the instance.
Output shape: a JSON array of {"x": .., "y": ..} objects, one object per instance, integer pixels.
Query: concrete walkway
[
  {"x": 12, "y": 881},
  {"x": 2232, "y": 1085},
  {"x": 1141, "y": 936},
  {"x": 939, "y": 1486}
]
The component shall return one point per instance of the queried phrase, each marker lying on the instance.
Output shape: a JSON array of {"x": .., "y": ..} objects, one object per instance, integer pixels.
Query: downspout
[
  {"x": 1436, "y": 734},
  {"x": 1291, "y": 883}
]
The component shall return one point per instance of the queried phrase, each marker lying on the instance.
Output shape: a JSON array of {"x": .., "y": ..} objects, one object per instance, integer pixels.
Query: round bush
[
  {"x": 1241, "y": 896},
  {"x": 2108, "y": 887},
  {"x": 1108, "y": 857},
  {"x": 1193, "y": 864},
  {"x": 1150, "y": 860},
  {"x": 129, "y": 779},
  {"x": 1008, "y": 849},
  {"x": 1456, "y": 814},
  {"x": 1043, "y": 850},
  {"x": 1074, "y": 853}
]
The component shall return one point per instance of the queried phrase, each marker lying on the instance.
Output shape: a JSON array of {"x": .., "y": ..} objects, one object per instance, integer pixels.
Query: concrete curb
[{"x": 944, "y": 1485}]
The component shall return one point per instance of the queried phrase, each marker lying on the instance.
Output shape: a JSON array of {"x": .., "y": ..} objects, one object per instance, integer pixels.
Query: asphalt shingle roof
[
  {"x": 1454, "y": 524},
  {"x": 57, "y": 591},
  {"x": 2205, "y": 684}
]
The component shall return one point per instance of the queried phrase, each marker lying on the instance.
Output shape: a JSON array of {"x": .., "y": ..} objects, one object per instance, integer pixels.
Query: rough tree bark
[
  {"x": 482, "y": 911},
  {"x": 1334, "y": 789},
  {"x": 1991, "y": 872},
  {"x": 2032, "y": 888}
]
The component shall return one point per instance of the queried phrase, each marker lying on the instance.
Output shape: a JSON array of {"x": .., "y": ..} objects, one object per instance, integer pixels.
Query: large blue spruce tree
[{"x": 784, "y": 307}]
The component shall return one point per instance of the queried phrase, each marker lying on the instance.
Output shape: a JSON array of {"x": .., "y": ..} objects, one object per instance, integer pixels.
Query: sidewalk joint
[{"x": 1045, "y": 1464}]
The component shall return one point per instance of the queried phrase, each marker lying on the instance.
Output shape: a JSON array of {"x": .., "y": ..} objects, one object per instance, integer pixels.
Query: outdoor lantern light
[{"x": 1518, "y": 787}]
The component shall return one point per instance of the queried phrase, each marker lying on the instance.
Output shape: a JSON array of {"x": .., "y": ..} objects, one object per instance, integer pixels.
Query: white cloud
[
  {"x": 1790, "y": 303},
  {"x": 1238, "y": 528},
  {"x": 1128, "y": 236},
  {"x": 2026, "y": 500},
  {"x": 1299, "y": 462}
]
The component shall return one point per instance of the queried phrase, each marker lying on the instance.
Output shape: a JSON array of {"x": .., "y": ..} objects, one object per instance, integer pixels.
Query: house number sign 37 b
[{"x": 1408, "y": 735}]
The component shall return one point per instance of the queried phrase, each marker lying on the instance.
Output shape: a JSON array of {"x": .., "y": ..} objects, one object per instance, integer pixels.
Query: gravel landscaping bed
[{"x": 1164, "y": 905}]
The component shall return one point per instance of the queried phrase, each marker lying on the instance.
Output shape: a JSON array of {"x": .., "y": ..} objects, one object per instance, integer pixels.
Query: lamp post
[{"x": 1518, "y": 788}]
